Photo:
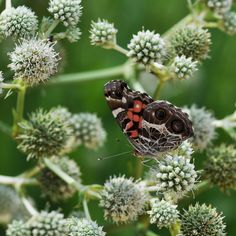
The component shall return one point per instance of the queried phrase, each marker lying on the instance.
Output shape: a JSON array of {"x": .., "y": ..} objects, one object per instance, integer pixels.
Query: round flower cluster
[
  {"x": 18, "y": 228},
  {"x": 191, "y": 42},
  {"x": 220, "y": 6},
  {"x": 184, "y": 67},
  {"x": 88, "y": 130},
  {"x": 204, "y": 130},
  {"x": 11, "y": 205},
  {"x": 18, "y": 22},
  {"x": 185, "y": 149},
  {"x": 147, "y": 47},
  {"x": 66, "y": 11},
  {"x": 123, "y": 199},
  {"x": 175, "y": 176},
  {"x": 34, "y": 61},
  {"x": 43, "y": 135},
  {"x": 83, "y": 227},
  {"x": 202, "y": 220},
  {"x": 162, "y": 213},
  {"x": 229, "y": 23},
  {"x": 220, "y": 168},
  {"x": 53, "y": 186},
  {"x": 103, "y": 34}
]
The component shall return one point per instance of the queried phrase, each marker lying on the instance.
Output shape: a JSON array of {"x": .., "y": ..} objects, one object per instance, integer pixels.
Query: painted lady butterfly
[{"x": 151, "y": 126}]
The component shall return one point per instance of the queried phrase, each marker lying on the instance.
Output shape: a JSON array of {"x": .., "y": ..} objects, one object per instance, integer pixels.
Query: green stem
[
  {"x": 17, "y": 181},
  {"x": 10, "y": 86},
  {"x": 202, "y": 186},
  {"x": 157, "y": 92},
  {"x": 18, "y": 116},
  {"x": 175, "y": 229},
  {"x": 91, "y": 75},
  {"x": 51, "y": 28},
  {"x": 86, "y": 209},
  {"x": 5, "y": 128},
  {"x": 30, "y": 173},
  {"x": 120, "y": 49}
]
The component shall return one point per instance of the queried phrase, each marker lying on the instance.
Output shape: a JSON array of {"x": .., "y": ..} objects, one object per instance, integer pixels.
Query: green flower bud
[
  {"x": 219, "y": 6},
  {"x": 202, "y": 220},
  {"x": 18, "y": 228},
  {"x": 229, "y": 23}
]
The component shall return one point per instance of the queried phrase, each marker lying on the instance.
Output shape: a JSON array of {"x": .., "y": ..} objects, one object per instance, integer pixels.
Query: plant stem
[
  {"x": 17, "y": 181},
  {"x": 120, "y": 49},
  {"x": 175, "y": 229},
  {"x": 28, "y": 174},
  {"x": 18, "y": 116},
  {"x": 8, "y": 4},
  {"x": 91, "y": 75},
  {"x": 10, "y": 86},
  {"x": 157, "y": 92},
  {"x": 86, "y": 209},
  {"x": 51, "y": 28},
  {"x": 5, "y": 128}
]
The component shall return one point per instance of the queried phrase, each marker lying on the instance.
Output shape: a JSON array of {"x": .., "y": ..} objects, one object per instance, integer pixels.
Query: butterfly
[{"x": 151, "y": 126}]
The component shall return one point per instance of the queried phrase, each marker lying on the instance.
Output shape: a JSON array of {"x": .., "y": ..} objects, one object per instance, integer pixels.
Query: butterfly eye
[
  {"x": 160, "y": 114},
  {"x": 177, "y": 126}
]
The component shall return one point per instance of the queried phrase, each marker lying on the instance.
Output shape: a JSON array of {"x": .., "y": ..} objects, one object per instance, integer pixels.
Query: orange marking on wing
[
  {"x": 140, "y": 123},
  {"x": 133, "y": 134},
  {"x": 130, "y": 115},
  {"x": 136, "y": 118},
  {"x": 137, "y": 106},
  {"x": 129, "y": 125}
]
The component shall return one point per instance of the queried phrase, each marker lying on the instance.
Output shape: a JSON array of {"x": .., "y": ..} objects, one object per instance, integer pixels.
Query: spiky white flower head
[
  {"x": 192, "y": 42},
  {"x": 18, "y": 228},
  {"x": 1, "y": 81},
  {"x": 11, "y": 205},
  {"x": 185, "y": 149},
  {"x": 83, "y": 227},
  {"x": 43, "y": 135},
  {"x": 204, "y": 130},
  {"x": 123, "y": 199},
  {"x": 73, "y": 34},
  {"x": 147, "y": 47},
  {"x": 184, "y": 67},
  {"x": 66, "y": 11},
  {"x": 103, "y": 34},
  {"x": 202, "y": 220},
  {"x": 34, "y": 61},
  {"x": 220, "y": 6},
  {"x": 175, "y": 176},
  {"x": 88, "y": 130},
  {"x": 162, "y": 213},
  {"x": 229, "y": 23},
  {"x": 220, "y": 167},
  {"x": 53, "y": 186},
  {"x": 18, "y": 22},
  {"x": 48, "y": 223}
]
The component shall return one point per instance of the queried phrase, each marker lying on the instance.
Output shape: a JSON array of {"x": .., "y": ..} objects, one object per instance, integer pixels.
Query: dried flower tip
[
  {"x": 220, "y": 168},
  {"x": 147, "y": 47},
  {"x": 220, "y": 7},
  {"x": 88, "y": 130},
  {"x": 229, "y": 23},
  {"x": 204, "y": 130},
  {"x": 43, "y": 135},
  {"x": 193, "y": 220},
  {"x": 183, "y": 67},
  {"x": 66, "y": 11},
  {"x": 53, "y": 186},
  {"x": 48, "y": 223},
  {"x": 123, "y": 199},
  {"x": 103, "y": 34},
  {"x": 192, "y": 42},
  {"x": 162, "y": 213},
  {"x": 83, "y": 227},
  {"x": 175, "y": 176},
  {"x": 18, "y": 22},
  {"x": 18, "y": 228},
  {"x": 34, "y": 61}
]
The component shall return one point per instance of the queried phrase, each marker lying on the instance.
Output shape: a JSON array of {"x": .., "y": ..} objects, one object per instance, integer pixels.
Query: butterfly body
[{"x": 151, "y": 126}]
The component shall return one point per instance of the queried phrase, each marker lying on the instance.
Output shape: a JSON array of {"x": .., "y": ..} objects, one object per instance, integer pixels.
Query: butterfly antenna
[{"x": 111, "y": 156}]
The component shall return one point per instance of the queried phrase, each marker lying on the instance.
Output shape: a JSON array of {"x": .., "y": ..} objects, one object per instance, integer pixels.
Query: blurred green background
[{"x": 213, "y": 87}]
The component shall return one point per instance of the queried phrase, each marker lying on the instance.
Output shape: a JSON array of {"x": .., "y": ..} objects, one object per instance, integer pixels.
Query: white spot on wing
[{"x": 117, "y": 111}]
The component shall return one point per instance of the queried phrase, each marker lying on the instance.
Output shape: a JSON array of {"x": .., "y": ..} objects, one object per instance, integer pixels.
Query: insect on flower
[{"x": 151, "y": 126}]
